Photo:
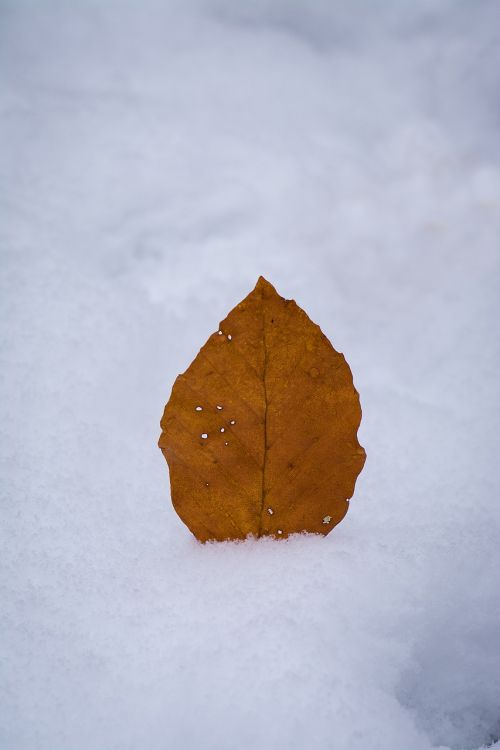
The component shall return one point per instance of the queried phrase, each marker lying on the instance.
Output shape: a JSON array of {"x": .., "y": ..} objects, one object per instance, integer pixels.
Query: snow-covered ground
[{"x": 155, "y": 158}]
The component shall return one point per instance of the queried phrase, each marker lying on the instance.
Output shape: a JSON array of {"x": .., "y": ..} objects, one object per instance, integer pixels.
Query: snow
[{"x": 156, "y": 158}]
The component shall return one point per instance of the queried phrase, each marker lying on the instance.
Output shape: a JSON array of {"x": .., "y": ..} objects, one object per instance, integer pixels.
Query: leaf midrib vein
[{"x": 264, "y": 461}]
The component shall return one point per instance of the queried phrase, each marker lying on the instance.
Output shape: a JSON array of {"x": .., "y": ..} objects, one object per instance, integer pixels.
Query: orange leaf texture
[{"x": 260, "y": 432}]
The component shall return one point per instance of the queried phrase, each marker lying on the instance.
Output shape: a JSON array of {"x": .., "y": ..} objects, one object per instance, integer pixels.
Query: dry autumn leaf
[{"x": 260, "y": 432}]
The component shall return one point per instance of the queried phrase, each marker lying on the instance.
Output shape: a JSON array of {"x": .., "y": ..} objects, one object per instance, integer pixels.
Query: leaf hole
[
  {"x": 232, "y": 421},
  {"x": 199, "y": 408},
  {"x": 204, "y": 435},
  {"x": 220, "y": 333},
  {"x": 327, "y": 519},
  {"x": 270, "y": 511},
  {"x": 229, "y": 337},
  {"x": 222, "y": 429},
  {"x": 219, "y": 407},
  {"x": 226, "y": 443},
  {"x": 280, "y": 531}
]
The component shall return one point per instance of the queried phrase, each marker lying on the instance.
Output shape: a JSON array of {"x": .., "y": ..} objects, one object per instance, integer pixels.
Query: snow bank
[{"x": 156, "y": 158}]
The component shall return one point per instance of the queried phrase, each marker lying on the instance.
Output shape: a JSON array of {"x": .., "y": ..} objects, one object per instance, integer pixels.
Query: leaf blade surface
[{"x": 260, "y": 432}]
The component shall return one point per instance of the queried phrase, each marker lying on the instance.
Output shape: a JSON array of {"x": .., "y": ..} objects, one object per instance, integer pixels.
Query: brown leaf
[{"x": 260, "y": 431}]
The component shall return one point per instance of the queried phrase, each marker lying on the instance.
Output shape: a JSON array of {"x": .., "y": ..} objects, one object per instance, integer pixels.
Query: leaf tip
[{"x": 264, "y": 286}]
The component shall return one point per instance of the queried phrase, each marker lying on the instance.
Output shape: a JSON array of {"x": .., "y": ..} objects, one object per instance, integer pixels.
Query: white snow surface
[{"x": 155, "y": 158}]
